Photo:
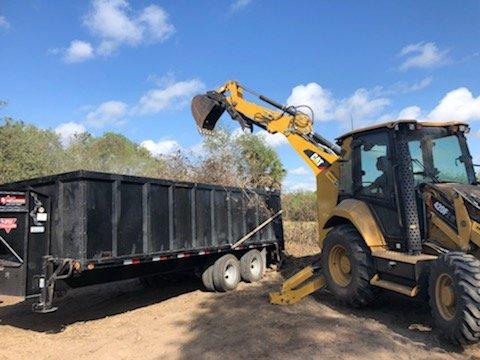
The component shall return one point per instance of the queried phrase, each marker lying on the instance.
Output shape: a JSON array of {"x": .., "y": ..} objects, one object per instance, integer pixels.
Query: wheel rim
[
  {"x": 230, "y": 275},
  {"x": 445, "y": 296},
  {"x": 255, "y": 268},
  {"x": 340, "y": 266}
]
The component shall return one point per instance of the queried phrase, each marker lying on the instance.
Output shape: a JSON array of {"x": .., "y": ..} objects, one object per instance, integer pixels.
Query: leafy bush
[
  {"x": 300, "y": 206},
  {"x": 225, "y": 159}
]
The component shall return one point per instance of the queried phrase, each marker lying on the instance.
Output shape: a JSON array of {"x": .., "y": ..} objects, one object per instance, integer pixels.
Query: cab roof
[{"x": 392, "y": 124}]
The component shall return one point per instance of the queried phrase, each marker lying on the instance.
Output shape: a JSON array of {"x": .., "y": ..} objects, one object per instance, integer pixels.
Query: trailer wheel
[
  {"x": 207, "y": 278},
  {"x": 348, "y": 266},
  {"x": 455, "y": 296},
  {"x": 252, "y": 266},
  {"x": 226, "y": 273}
]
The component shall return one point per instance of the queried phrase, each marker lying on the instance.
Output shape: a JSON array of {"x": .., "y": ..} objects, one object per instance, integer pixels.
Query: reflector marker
[
  {"x": 135, "y": 261},
  {"x": 131, "y": 262}
]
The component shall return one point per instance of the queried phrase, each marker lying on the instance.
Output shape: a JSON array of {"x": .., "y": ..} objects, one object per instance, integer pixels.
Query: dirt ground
[{"x": 181, "y": 321}]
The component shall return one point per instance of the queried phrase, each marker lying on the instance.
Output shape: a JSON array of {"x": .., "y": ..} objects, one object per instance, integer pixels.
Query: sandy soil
[{"x": 180, "y": 321}]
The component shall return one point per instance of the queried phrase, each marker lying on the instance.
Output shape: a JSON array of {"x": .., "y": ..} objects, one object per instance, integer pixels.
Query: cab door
[{"x": 373, "y": 183}]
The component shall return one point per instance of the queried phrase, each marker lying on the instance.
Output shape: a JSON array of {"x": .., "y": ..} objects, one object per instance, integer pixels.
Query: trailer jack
[
  {"x": 295, "y": 289},
  {"x": 53, "y": 270}
]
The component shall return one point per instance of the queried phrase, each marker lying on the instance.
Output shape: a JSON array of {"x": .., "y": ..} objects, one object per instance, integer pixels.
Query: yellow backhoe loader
[{"x": 398, "y": 208}]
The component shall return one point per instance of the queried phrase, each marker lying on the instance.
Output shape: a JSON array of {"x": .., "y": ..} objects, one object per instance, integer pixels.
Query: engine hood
[{"x": 470, "y": 193}]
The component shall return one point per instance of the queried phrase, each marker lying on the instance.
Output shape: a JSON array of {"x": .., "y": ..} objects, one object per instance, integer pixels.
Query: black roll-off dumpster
[{"x": 84, "y": 228}]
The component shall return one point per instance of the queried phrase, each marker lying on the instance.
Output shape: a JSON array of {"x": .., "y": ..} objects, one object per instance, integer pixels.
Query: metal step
[{"x": 389, "y": 285}]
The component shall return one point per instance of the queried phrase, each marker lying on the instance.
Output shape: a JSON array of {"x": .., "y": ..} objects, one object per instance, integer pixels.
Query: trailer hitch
[{"x": 51, "y": 274}]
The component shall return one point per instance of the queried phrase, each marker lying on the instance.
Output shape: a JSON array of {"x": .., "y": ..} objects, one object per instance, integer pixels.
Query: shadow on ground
[
  {"x": 243, "y": 325},
  {"x": 95, "y": 302}
]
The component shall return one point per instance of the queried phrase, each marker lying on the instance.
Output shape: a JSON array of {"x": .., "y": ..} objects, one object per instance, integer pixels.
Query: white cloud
[
  {"x": 67, "y": 131},
  {"x": 4, "y": 24},
  {"x": 363, "y": 105},
  {"x": 115, "y": 24},
  {"x": 410, "y": 113},
  {"x": 162, "y": 147},
  {"x": 292, "y": 186},
  {"x": 107, "y": 113},
  {"x": 239, "y": 4},
  {"x": 156, "y": 24},
  {"x": 273, "y": 140},
  {"x": 423, "y": 55},
  {"x": 360, "y": 107},
  {"x": 459, "y": 104},
  {"x": 78, "y": 51},
  {"x": 175, "y": 95},
  {"x": 313, "y": 95},
  {"x": 301, "y": 170},
  {"x": 404, "y": 88}
]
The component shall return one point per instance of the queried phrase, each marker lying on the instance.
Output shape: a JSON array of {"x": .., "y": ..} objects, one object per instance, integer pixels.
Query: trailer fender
[{"x": 359, "y": 215}]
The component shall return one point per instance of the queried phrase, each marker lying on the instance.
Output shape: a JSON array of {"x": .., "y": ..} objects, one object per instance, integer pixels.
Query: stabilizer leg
[{"x": 293, "y": 291}]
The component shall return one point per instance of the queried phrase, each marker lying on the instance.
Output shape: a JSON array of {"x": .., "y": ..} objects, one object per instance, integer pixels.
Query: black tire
[
  {"x": 226, "y": 273},
  {"x": 252, "y": 266},
  {"x": 356, "y": 290},
  {"x": 459, "y": 318},
  {"x": 207, "y": 278},
  {"x": 265, "y": 262}
]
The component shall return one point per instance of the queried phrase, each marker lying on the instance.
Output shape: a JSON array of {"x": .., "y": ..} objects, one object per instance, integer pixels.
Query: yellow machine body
[{"x": 451, "y": 211}]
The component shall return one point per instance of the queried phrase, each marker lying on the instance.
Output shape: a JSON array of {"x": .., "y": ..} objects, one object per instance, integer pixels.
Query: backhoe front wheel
[
  {"x": 454, "y": 290},
  {"x": 348, "y": 266}
]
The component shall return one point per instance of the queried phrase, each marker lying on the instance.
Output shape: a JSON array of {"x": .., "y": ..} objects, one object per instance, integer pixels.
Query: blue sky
[{"x": 132, "y": 66}]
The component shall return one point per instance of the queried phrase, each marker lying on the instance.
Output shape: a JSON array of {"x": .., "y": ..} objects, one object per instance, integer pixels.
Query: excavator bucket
[{"x": 206, "y": 111}]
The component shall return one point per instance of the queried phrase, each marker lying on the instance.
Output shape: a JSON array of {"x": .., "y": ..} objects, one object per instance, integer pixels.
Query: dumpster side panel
[
  {"x": 130, "y": 234},
  {"x": 99, "y": 219},
  {"x": 182, "y": 215},
  {"x": 221, "y": 217},
  {"x": 203, "y": 217},
  {"x": 160, "y": 218},
  {"x": 71, "y": 212},
  {"x": 237, "y": 215}
]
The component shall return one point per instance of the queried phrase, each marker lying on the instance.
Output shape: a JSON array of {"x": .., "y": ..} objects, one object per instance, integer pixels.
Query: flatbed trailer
[{"x": 84, "y": 228}]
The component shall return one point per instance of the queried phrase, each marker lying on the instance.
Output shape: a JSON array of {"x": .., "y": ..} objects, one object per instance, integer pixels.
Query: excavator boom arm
[{"x": 295, "y": 125}]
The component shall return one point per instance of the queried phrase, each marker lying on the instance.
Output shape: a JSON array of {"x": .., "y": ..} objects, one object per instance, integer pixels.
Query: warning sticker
[
  {"x": 8, "y": 224},
  {"x": 13, "y": 200}
]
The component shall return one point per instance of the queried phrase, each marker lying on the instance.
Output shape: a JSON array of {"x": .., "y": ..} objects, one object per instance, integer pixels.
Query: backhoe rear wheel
[
  {"x": 348, "y": 266},
  {"x": 454, "y": 290}
]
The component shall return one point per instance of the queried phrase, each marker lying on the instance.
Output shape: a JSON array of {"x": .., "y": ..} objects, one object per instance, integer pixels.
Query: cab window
[{"x": 373, "y": 156}]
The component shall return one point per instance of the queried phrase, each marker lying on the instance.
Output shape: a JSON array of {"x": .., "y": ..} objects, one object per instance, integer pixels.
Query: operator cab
[{"x": 388, "y": 162}]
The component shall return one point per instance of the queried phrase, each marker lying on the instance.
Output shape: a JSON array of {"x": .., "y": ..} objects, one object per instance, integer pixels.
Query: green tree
[
  {"x": 111, "y": 153},
  {"x": 259, "y": 162},
  {"x": 27, "y": 151}
]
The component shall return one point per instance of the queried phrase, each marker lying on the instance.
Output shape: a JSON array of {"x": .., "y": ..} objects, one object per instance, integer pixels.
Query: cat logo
[
  {"x": 317, "y": 159},
  {"x": 441, "y": 208}
]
